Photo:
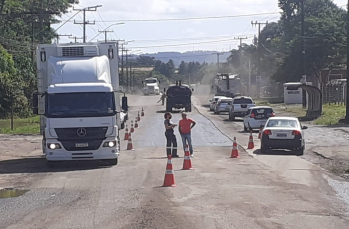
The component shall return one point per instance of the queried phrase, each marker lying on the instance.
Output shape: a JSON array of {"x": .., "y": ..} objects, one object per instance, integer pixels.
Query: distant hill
[{"x": 200, "y": 56}]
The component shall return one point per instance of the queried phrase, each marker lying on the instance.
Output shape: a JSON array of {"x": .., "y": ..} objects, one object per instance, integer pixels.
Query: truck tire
[
  {"x": 110, "y": 161},
  {"x": 168, "y": 108}
]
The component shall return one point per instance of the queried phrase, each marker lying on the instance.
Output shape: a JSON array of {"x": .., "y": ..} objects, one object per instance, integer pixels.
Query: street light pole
[{"x": 121, "y": 23}]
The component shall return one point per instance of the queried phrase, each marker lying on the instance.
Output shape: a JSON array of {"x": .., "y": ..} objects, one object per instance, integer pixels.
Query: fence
[{"x": 334, "y": 92}]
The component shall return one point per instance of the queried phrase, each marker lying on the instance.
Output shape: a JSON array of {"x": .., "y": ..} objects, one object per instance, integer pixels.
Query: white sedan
[{"x": 283, "y": 133}]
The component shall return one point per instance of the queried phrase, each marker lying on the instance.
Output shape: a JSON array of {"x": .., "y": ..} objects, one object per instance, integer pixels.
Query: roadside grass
[
  {"x": 331, "y": 114},
  {"x": 21, "y": 126}
]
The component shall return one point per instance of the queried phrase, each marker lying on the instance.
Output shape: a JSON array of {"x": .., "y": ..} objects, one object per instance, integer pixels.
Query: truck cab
[{"x": 151, "y": 86}]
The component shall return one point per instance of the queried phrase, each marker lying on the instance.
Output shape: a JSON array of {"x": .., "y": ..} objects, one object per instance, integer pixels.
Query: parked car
[
  {"x": 283, "y": 133},
  {"x": 257, "y": 117},
  {"x": 240, "y": 106},
  {"x": 213, "y": 102},
  {"x": 223, "y": 105}
]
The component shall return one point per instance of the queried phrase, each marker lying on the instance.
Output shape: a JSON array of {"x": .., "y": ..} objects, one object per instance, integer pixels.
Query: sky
[{"x": 217, "y": 25}]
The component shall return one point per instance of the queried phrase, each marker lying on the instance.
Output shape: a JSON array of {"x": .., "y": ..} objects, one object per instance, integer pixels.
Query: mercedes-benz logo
[{"x": 81, "y": 132}]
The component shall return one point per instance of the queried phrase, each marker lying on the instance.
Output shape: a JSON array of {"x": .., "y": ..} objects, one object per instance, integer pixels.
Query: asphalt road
[{"x": 253, "y": 191}]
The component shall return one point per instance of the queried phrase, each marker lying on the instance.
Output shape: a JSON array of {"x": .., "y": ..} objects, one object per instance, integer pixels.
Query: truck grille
[{"x": 70, "y": 137}]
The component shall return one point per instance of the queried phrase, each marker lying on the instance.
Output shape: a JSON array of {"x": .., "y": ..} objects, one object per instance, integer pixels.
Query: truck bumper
[{"x": 64, "y": 155}]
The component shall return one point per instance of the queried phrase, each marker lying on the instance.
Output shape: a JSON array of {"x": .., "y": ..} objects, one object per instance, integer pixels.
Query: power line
[{"x": 190, "y": 18}]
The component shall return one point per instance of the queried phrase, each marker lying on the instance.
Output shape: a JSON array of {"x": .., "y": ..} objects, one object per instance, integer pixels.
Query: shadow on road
[
  {"x": 275, "y": 152},
  {"x": 236, "y": 120},
  {"x": 155, "y": 158},
  {"x": 305, "y": 119},
  {"x": 173, "y": 112},
  {"x": 39, "y": 165}
]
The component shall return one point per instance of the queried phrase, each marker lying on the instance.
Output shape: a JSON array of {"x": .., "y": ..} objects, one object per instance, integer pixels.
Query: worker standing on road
[
  {"x": 170, "y": 136},
  {"x": 162, "y": 98},
  {"x": 185, "y": 126}
]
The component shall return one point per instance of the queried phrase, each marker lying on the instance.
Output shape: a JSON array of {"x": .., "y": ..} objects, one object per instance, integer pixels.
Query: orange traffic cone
[
  {"x": 126, "y": 134},
  {"x": 136, "y": 124},
  {"x": 250, "y": 142},
  {"x": 129, "y": 144},
  {"x": 139, "y": 117},
  {"x": 142, "y": 112},
  {"x": 132, "y": 129},
  {"x": 169, "y": 180},
  {"x": 187, "y": 161},
  {"x": 235, "y": 151},
  {"x": 260, "y": 132}
]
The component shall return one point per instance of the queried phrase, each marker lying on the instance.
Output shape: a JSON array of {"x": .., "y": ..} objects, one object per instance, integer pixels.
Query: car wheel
[
  {"x": 300, "y": 151},
  {"x": 245, "y": 129}
]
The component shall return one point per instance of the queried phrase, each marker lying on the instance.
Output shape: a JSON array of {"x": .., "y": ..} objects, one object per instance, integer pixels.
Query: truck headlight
[
  {"x": 54, "y": 146},
  {"x": 110, "y": 144}
]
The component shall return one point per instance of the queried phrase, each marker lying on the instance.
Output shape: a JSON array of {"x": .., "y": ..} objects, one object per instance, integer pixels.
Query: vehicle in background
[
  {"x": 228, "y": 85},
  {"x": 283, "y": 133},
  {"x": 151, "y": 86},
  {"x": 223, "y": 105},
  {"x": 240, "y": 106},
  {"x": 257, "y": 117},
  {"x": 178, "y": 96},
  {"x": 213, "y": 102},
  {"x": 78, "y": 101}
]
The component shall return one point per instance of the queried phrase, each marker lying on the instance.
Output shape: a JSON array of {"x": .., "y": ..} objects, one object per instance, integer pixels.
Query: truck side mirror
[
  {"x": 124, "y": 104},
  {"x": 192, "y": 89},
  {"x": 35, "y": 103}
]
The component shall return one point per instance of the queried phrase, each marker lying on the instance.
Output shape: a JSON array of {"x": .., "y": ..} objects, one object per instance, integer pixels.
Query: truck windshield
[
  {"x": 85, "y": 104},
  {"x": 151, "y": 81}
]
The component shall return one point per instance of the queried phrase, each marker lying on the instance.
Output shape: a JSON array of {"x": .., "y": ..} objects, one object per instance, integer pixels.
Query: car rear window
[
  {"x": 282, "y": 123},
  {"x": 242, "y": 101},
  {"x": 262, "y": 111}
]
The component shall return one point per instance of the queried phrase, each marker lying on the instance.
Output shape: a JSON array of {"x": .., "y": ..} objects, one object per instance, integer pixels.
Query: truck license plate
[{"x": 85, "y": 144}]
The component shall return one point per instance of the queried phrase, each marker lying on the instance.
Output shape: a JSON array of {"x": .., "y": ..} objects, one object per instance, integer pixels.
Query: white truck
[
  {"x": 78, "y": 101},
  {"x": 151, "y": 86}
]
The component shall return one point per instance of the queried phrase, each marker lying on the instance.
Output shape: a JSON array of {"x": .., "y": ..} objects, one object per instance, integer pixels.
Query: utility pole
[
  {"x": 347, "y": 92},
  {"x": 76, "y": 38},
  {"x": 218, "y": 54},
  {"x": 302, "y": 59},
  {"x": 258, "y": 78},
  {"x": 105, "y": 33},
  {"x": 127, "y": 75},
  {"x": 63, "y": 35},
  {"x": 240, "y": 38},
  {"x": 84, "y": 23}
]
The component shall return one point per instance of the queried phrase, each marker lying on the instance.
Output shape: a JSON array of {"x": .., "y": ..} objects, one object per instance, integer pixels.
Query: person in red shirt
[{"x": 185, "y": 126}]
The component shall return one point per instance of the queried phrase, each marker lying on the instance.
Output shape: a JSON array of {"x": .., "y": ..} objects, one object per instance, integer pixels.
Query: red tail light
[
  {"x": 296, "y": 132},
  {"x": 252, "y": 115},
  {"x": 267, "y": 132},
  {"x": 272, "y": 114}
]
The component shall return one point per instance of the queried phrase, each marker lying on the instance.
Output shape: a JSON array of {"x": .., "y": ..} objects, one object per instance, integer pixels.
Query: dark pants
[{"x": 171, "y": 145}]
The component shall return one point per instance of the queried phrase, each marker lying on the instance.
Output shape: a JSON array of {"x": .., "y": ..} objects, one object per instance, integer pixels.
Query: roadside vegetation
[{"x": 21, "y": 126}]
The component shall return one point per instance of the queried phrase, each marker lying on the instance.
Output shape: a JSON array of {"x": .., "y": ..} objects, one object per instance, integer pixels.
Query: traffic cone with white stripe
[
  {"x": 132, "y": 128},
  {"x": 250, "y": 141},
  {"x": 169, "y": 180},
  {"x": 187, "y": 161},
  {"x": 129, "y": 144},
  {"x": 142, "y": 111},
  {"x": 138, "y": 117},
  {"x": 260, "y": 132},
  {"x": 235, "y": 151},
  {"x": 126, "y": 133}
]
